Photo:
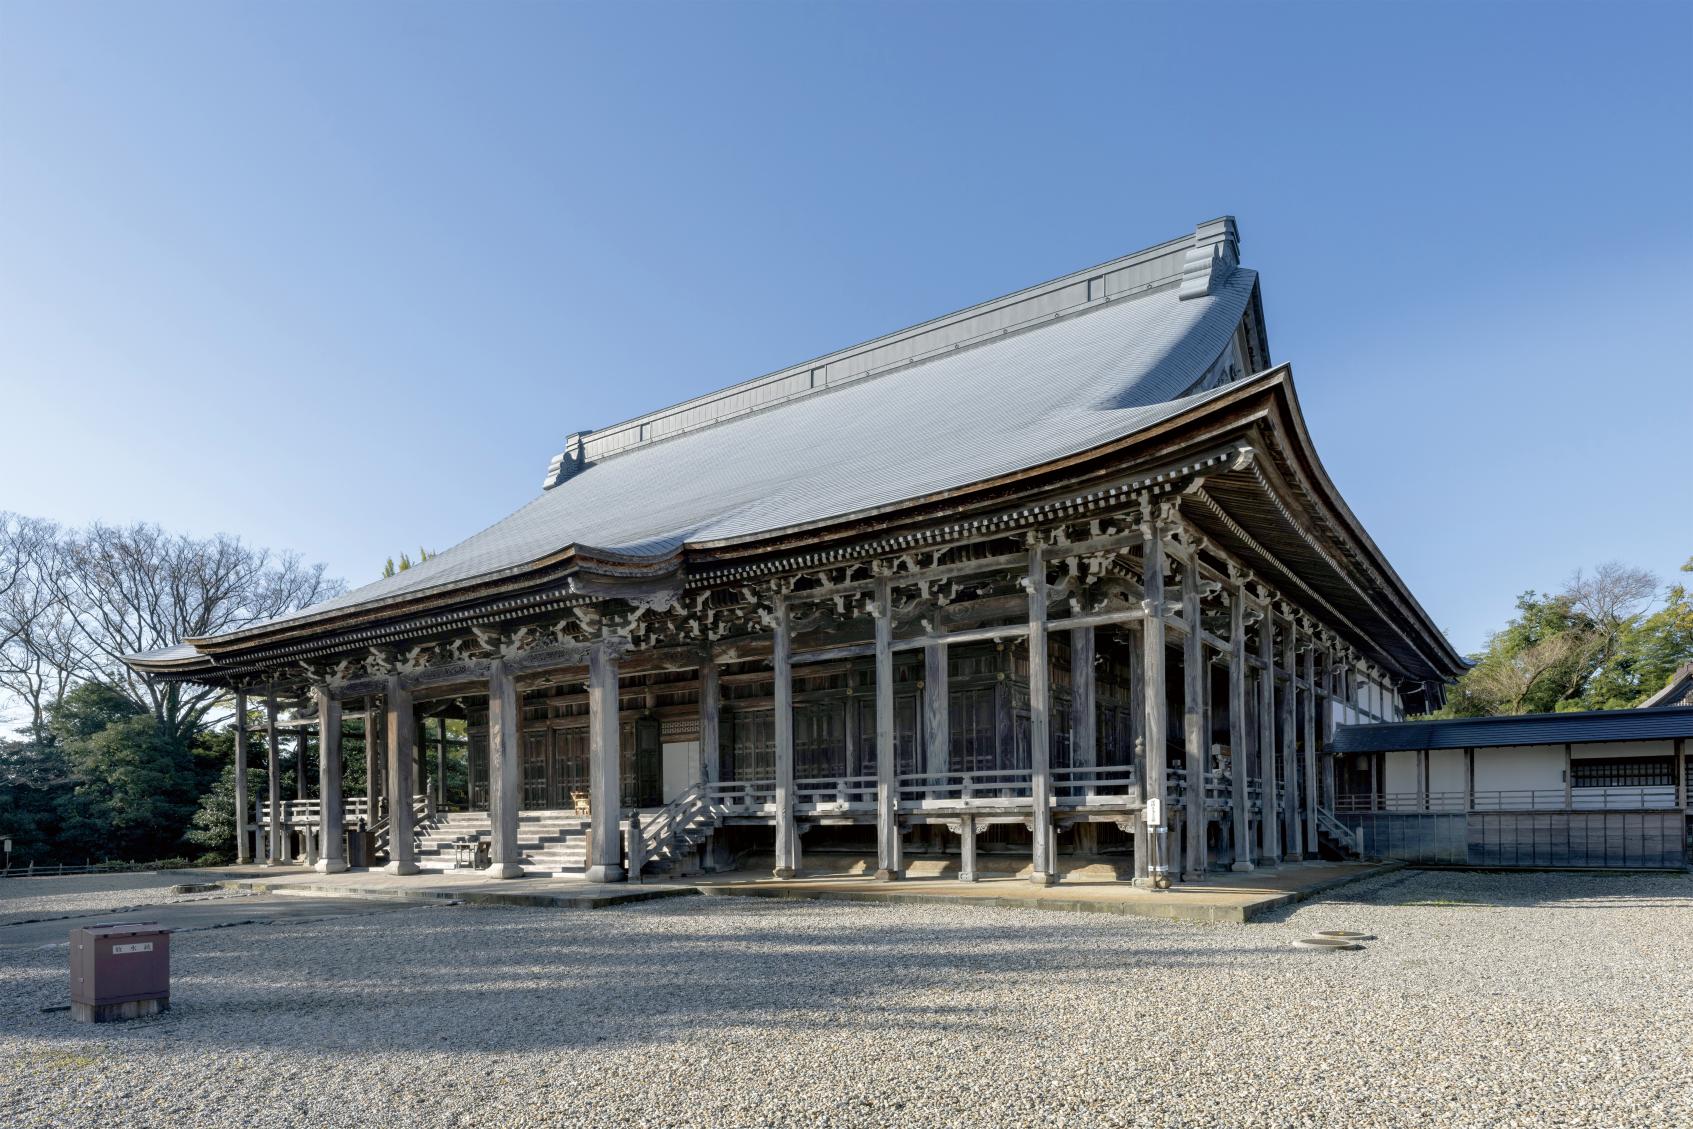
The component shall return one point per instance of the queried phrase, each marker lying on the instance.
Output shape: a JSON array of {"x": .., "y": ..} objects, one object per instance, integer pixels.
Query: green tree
[
  {"x": 1591, "y": 646},
  {"x": 132, "y": 787}
]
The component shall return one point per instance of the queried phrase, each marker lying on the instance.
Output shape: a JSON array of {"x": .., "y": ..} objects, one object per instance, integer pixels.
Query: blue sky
[{"x": 340, "y": 278}]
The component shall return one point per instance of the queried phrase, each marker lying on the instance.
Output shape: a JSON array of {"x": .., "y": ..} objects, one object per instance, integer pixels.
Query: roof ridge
[{"x": 1198, "y": 263}]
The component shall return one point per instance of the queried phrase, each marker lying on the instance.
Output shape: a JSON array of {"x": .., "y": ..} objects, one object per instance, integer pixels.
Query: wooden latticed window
[{"x": 1623, "y": 772}]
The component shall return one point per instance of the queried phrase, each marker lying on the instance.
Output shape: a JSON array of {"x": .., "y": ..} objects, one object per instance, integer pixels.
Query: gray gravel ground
[
  {"x": 40, "y": 898},
  {"x": 1498, "y": 1000}
]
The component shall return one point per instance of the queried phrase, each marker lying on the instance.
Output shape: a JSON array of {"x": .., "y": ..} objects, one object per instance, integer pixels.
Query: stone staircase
[{"x": 549, "y": 842}]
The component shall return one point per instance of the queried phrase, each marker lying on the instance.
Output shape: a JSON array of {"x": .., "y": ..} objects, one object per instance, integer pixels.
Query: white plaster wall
[
  {"x": 1401, "y": 772},
  {"x": 1446, "y": 771},
  {"x": 1524, "y": 766},
  {"x": 1608, "y": 749},
  {"x": 681, "y": 767}
]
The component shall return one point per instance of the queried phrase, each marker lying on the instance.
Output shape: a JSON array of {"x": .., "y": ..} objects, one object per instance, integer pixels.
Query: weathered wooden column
[
  {"x": 1290, "y": 744},
  {"x": 243, "y": 848},
  {"x": 937, "y": 719},
  {"x": 332, "y": 853},
  {"x": 710, "y": 712},
  {"x": 1313, "y": 848},
  {"x": 967, "y": 849},
  {"x": 504, "y": 780},
  {"x": 301, "y": 762},
  {"x": 889, "y": 864},
  {"x": 273, "y": 765},
  {"x": 1084, "y": 727},
  {"x": 1156, "y": 705},
  {"x": 1137, "y": 745},
  {"x": 781, "y": 665},
  {"x": 1240, "y": 777},
  {"x": 1269, "y": 824},
  {"x": 1045, "y": 871},
  {"x": 440, "y": 762},
  {"x": 1194, "y": 863},
  {"x": 401, "y": 734},
  {"x": 605, "y": 767},
  {"x": 372, "y": 761}
]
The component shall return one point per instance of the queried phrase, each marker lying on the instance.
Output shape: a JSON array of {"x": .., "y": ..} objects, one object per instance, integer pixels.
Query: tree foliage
[{"x": 1597, "y": 644}]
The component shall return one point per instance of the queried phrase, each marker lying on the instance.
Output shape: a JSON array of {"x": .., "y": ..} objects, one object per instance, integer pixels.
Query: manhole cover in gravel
[
  {"x": 1333, "y": 944},
  {"x": 1345, "y": 935}
]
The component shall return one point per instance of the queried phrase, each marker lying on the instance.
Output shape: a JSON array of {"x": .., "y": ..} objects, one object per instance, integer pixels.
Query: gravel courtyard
[{"x": 1486, "y": 1000}]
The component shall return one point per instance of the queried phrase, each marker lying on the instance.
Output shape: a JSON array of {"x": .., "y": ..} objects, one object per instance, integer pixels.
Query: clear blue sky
[{"x": 340, "y": 278}]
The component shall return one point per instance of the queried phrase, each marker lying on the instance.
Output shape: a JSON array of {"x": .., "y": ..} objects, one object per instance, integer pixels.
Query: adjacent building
[
  {"x": 1602, "y": 788},
  {"x": 1056, "y": 578}
]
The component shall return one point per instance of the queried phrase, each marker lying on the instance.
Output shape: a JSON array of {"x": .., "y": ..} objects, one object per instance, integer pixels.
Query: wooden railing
[{"x": 1633, "y": 798}]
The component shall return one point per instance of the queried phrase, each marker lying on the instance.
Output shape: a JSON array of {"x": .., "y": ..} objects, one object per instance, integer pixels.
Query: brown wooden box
[{"x": 119, "y": 970}]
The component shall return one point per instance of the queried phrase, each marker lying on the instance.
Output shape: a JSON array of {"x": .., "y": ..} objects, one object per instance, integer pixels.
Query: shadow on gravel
[
  {"x": 1575, "y": 891},
  {"x": 467, "y": 978}
]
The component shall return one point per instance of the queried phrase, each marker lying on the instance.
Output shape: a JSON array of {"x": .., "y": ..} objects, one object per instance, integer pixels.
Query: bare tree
[
  {"x": 89, "y": 598},
  {"x": 1507, "y": 680},
  {"x": 36, "y": 664},
  {"x": 1612, "y": 597}
]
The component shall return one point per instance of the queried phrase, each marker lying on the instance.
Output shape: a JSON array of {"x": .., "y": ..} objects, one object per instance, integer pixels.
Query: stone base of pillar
[
  {"x": 606, "y": 874},
  {"x": 1193, "y": 876},
  {"x": 967, "y": 876},
  {"x": 888, "y": 876},
  {"x": 1039, "y": 879},
  {"x": 1294, "y": 856},
  {"x": 1145, "y": 883},
  {"x": 1242, "y": 867},
  {"x": 401, "y": 868},
  {"x": 503, "y": 870},
  {"x": 784, "y": 872},
  {"x": 330, "y": 866}
]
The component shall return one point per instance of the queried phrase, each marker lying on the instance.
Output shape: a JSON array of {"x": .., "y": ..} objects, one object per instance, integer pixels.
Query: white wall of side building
[
  {"x": 1616, "y": 749},
  {"x": 1401, "y": 773},
  {"x": 1521, "y": 767},
  {"x": 1447, "y": 772}
]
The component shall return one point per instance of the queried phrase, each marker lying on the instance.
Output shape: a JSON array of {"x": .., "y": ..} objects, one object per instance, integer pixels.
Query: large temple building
[{"x": 1053, "y": 581}]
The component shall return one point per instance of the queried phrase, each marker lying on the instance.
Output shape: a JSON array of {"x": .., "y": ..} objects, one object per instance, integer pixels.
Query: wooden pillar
[
  {"x": 273, "y": 765},
  {"x": 401, "y": 734},
  {"x": 1084, "y": 728},
  {"x": 1045, "y": 870},
  {"x": 301, "y": 757},
  {"x": 243, "y": 848},
  {"x": 1137, "y": 742},
  {"x": 889, "y": 865},
  {"x": 605, "y": 768},
  {"x": 967, "y": 849},
  {"x": 1569, "y": 782},
  {"x": 1290, "y": 744},
  {"x": 1469, "y": 780},
  {"x": 1325, "y": 723},
  {"x": 1239, "y": 784},
  {"x": 440, "y": 763},
  {"x": 1269, "y": 825},
  {"x": 1681, "y": 772},
  {"x": 710, "y": 713},
  {"x": 781, "y": 662},
  {"x": 504, "y": 778},
  {"x": 1156, "y": 707},
  {"x": 1309, "y": 719},
  {"x": 332, "y": 853},
  {"x": 372, "y": 761},
  {"x": 937, "y": 705},
  {"x": 1194, "y": 863}
]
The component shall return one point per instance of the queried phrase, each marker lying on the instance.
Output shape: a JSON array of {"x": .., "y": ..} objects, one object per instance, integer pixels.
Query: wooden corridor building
[{"x": 1019, "y": 577}]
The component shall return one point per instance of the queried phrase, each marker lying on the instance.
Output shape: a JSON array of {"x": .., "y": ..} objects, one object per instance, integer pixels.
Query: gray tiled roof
[
  {"x": 1515, "y": 729},
  {"x": 1011, "y": 403}
]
